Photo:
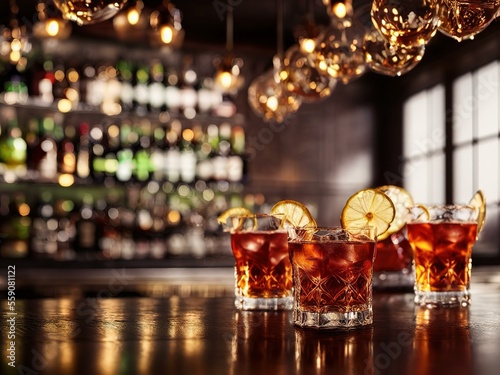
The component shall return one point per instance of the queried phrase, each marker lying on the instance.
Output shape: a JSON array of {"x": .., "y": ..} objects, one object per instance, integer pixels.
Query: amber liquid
[
  {"x": 333, "y": 276},
  {"x": 442, "y": 253},
  {"x": 462, "y": 19},
  {"x": 393, "y": 255},
  {"x": 263, "y": 268}
]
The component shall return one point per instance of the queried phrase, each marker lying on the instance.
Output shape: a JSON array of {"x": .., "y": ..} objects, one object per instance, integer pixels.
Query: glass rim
[
  {"x": 445, "y": 205},
  {"x": 311, "y": 233},
  {"x": 325, "y": 227},
  {"x": 257, "y": 215}
]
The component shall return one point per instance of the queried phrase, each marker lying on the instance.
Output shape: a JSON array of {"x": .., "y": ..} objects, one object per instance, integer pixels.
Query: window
[
  {"x": 424, "y": 145},
  {"x": 473, "y": 154}
]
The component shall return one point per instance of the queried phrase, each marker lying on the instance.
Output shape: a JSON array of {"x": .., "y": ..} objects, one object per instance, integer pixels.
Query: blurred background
[{"x": 127, "y": 129}]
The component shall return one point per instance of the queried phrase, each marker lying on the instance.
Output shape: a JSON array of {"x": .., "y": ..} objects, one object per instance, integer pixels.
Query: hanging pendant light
[
  {"x": 267, "y": 94},
  {"x": 268, "y": 97},
  {"x": 461, "y": 19},
  {"x": 86, "y": 12},
  {"x": 385, "y": 58},
  {"x": 166, "y": 26},
  {"x": 339, "y": 53},
  {"x": 304, "y": 78},
  {"x": 50, "y": 23},
  {"x": 228, "y": 79},
  {"x": 406, "y": 23},
  {"x": 132, "y": 23},
  {"x": 307, "y": 32},
  {"x": 340, "y": 11}
]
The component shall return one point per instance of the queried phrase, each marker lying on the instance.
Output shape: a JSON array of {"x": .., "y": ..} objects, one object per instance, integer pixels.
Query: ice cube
[
  {"x": 251, "y": 242},
  {"x": 278, "y": 248}
]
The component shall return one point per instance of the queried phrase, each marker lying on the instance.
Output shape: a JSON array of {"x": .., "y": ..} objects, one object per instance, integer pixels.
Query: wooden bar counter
[{"x": 145, "y": 324}]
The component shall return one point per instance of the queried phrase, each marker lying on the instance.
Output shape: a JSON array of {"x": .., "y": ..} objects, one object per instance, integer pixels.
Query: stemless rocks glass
[
  {"x": 263, "y": 273},
  {"x": 393, "y": 267},
  {"x": 332, "y": 276},
  {"x": 442, "y": 238}
]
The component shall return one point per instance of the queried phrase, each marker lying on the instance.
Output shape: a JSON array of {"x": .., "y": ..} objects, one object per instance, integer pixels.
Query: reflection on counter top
[{"x": 181, "y": 331}]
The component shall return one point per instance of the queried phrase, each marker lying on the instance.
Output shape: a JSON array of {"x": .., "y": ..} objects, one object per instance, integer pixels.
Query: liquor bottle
[
  {"x": 66, "y": 157},
  {"x": 60, "y": 81},
  {"x": 142, "y": 158},
  {"x": 204, "y": 167},
  {"x": 158, "y": 148},
  {"x": 187, "y": 157},
  {"x": 87, "y": 83},
  {"x": 111, "y": 157},
  {"x": 98, "y": 145},
  {"x": 73, "y": 92},
  {"x": 172, "y": 92},
  {"x": 86, "y": 237},
  {"x": 156, "y": 88},
  {"x": 83, "y": 153},
  {"x": 45, "y": 85},
  {"x": 44, "y": 237},
  {"x": 65, "y": 229},
  {"x": 126, "y": 75},
  {"x": 217, "y": 139},
  {"x": 13, "y": 148},
  {"x": 188, "y": 93},
  {"x": 96, "y": 85},
  {"x": 45, "y": 154},
  {"x": 236, "y": 162},
  {"x": 110, "y": 241},
  {"x": 172, "y": 154},
  {"x": 32, "y": 140},
  {"x": 141, "y": 91},
  {"x": 15, "y": 225},
  {"x": 125, "y": 155},
  {"x": 15, "y": 87},
  {"x": 143, "y": 224},
  {"x": 112, "y": 91}
]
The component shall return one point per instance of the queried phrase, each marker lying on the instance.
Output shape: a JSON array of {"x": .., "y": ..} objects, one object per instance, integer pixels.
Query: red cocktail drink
[
  {"x": 442, "y": 249},
  {"x": 332, "y": 276},
  {"x": 263, "y": 268},
  {"x": 263, "y": 273}
]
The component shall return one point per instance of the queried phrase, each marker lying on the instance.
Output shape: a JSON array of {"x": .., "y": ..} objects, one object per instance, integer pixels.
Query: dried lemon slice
[
  {"x": 233, "y": 211},
  {"x": 479, "y": 202},
  {"x": 295, "y": 213},
  {"x": 368, "y": 207},
  {"x": 402, "y": 202},
  {"x": 419, "y": 213}
]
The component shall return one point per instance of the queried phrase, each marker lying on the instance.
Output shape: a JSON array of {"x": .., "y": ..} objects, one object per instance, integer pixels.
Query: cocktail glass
[
  {"x": 332, "y": 276},
  {"x": 263, "y": 273},
  {"x": 442, "y": 239},
  {"x": 393, "y": 266}
]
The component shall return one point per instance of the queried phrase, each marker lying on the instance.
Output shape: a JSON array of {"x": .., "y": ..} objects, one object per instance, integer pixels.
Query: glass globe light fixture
[
  {"x": 132, "y": 23},
  {"x": 227, "y": 78},
  {"x": 339, "y": 53},
  {"x": 303, "y": 78},
  {"x": 406, "y": 22},
  {"x": 50, "y": 23},
  {"x": 307, "y": 32},
  {"x": 385, "y": 58},
  {"x": 340, "y": 12},
  {"x": 86, "y": 12},
  {"x": 268, "y": 97},
  {"x": 461, "y": 19},
  {"x": 166, "y": 26}
]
